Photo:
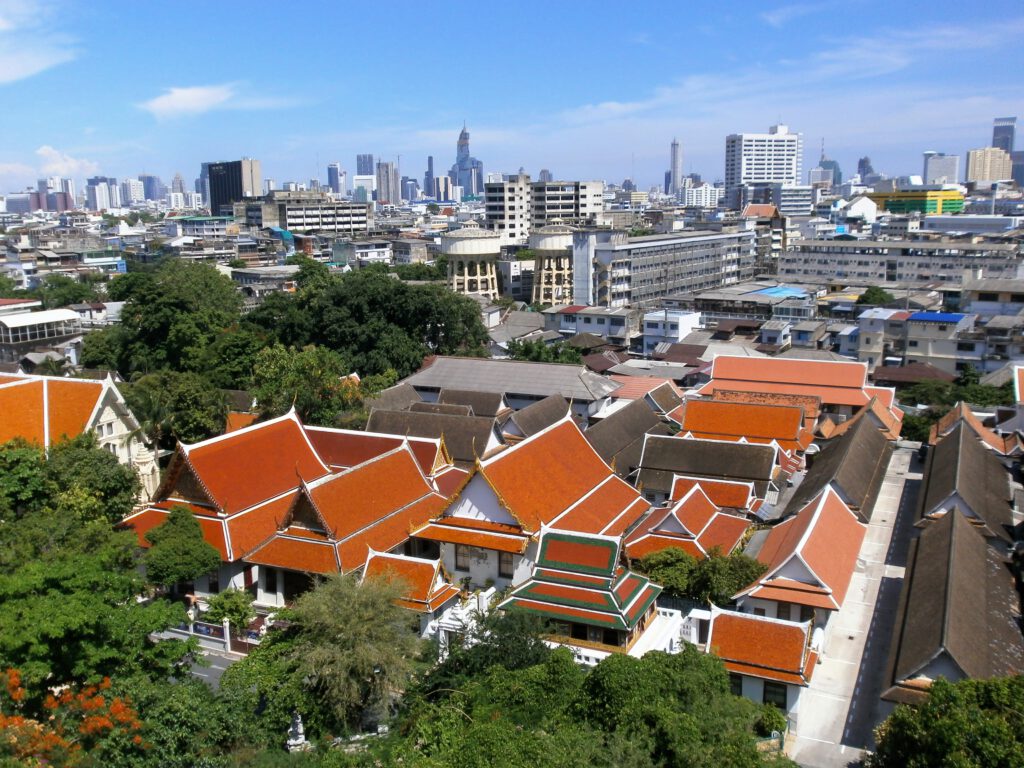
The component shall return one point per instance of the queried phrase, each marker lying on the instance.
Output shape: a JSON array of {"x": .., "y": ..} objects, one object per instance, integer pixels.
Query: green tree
[
  {"x": 235, "y": 605},
  {"x": 875, "y": 297},
  {"x": 540, "y": 352},
  {"x": 61, "y": 290},
  {"x": 433, "y": 208},
  {"x": 715, "y": 578},
  {"x": 178, "y": 551},
  {"x": 24, "y": 482},
  {"x": 972, "y": 723},
  {"x": 347, "y": 650},
  {"x": 310, "y": 379},
  {"x": 70, "y": 615},
  {"x": 82, "y": 464},
  {"x": 172, "y": 406}
]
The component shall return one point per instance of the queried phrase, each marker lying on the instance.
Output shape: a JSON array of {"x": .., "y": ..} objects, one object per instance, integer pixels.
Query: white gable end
[{"x": 479, "y": 502}]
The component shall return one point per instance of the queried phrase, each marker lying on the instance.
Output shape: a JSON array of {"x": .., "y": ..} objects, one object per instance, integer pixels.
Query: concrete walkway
[{"x": 841, "y": 707}]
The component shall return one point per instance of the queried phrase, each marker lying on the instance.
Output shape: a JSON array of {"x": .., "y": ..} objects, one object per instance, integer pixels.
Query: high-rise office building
[
  {"x": 132, "y": 191},
  {"x": 362, "y": 187},
  {"x": 468, "y": 172},
  {"x": 178, "y": 184},
  {"x": 364, "y": 165},
  {"x": 989, "y": 164},
  {"x": 864, "y": 167},
  {"x": 545, "y": 175},
  {"x": 154, "y": 187},
  {"x": 775, "y": 157},
  {"x": 334, "y": 173},
  {"x": 940, "y": 168},
  {"x": 388, "y": 184},
  {"x": 1003, "y": 130},
  {"x": 232, "y": 181},
  {"x": 675, "y": 168},
  {"x": 428, "y": 177},
  {"x": 443, "y": 188}
]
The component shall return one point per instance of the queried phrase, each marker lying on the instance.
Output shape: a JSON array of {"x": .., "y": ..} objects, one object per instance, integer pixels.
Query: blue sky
[{"x": 589, "y": 90}]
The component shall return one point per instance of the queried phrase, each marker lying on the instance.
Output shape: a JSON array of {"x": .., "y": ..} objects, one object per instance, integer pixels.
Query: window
[
  {"x": 912, "y": 343},
  {"x": 461, "y": 557},
  {"x": 775, "y": 693},
  {"x": 269, "y": 580},
  {"x": 505, "y": 565},
  {"x": 735, "y": 684},
  {"x": 806, "y": 613},
  {"x": 214, "y": 580},
  {"x": 965, "y": 346}
]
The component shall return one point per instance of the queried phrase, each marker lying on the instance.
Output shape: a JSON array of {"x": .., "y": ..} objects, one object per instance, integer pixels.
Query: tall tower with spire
[
  {"x": 468, "y": 172},
  {"x": 675, "y": 168}
]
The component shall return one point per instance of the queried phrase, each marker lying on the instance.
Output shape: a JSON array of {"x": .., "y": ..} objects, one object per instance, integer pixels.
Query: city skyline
[{"x": 866, "y": 87}]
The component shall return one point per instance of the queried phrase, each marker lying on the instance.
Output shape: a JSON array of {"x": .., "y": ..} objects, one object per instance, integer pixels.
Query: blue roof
[
  {"x": 782, "y": 290},
  {"x": 936, "y": 317}
]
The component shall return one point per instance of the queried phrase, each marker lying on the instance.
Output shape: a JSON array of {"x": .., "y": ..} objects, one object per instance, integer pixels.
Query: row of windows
[{"x": 506, "y": 565}]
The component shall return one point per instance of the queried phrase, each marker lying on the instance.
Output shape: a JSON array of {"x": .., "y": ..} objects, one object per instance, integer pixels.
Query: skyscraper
[
  {"x": 1003, "y": 130},
  {"x": 864, "y": 167},
  {"x": 675, "y": 168},
  {"x": 468, "y": 172},
  {"x": 232, "y": 181},
  {"x": 428, "y": 177},
  {"x": 334, "y": 178},
  {"x": 364, "y": 165},
  {"x": 545, "y": 175},
  {"x": 155, "y": 188},
  {"x": 989, "y": 164},
  {"x": 388, "y": 184},
  {"x": 178, "y": 184},
  {"x": 769, "y": 158},
  {"x": 940, "y": 168}
]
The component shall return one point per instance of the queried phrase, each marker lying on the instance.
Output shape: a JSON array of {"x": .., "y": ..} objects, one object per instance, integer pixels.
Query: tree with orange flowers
[{"x": 75, "y": 728}]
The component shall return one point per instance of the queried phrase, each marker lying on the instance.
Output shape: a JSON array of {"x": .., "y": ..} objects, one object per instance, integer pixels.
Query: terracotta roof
[
  {"x": 44, "y": 409},
  {"x": 345, "y": 448},
  {"x": 836, "y": 383},
  {"x": 958, "y": 609},
  {"x": 716, "y": 419},
  {"x": 237, "y": 421},
  {"x": 143, "y": 522},
  {"x": 545, "y": 474},
  {"x": 771, "y": 649},
  {"x": 724, "y": 493},
  {"x": 424, "y": 586},
  {"x": 889, "y": 420},
  {"x": 760, "y": 211},
  {"x": 810, "y": 403},
  {"x": 244, "y": 468},
  {"x": 388, "y": 532},
  {"x": 820, "y": 544},
  {"x": 609, "y": 509},
  {"x": 249, "y": 529},
  {"x": 578, "y": 578},
  {"x": 636, "y": 387},
  {"x": 693, "y": 523},
  {"x": 448, "y": 530},
  {"x": 296, "y": 553},
  {"x": 450, "y": 480}
]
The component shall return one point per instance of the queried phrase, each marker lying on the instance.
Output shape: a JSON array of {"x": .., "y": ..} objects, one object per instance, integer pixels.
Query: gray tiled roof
[{"x": 513, "y": 377}]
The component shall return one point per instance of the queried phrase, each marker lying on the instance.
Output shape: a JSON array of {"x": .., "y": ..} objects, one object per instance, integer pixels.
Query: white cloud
[
  {"x": 181, "y": 102},
  {"x": 778, "y": 17},
  {"x": 57, "y": 163},
  {"x": 198, "y": 99},
  {"x": 28, "y": 43}
]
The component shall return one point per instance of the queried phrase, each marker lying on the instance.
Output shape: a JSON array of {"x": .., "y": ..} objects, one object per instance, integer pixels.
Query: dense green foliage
[
  {"x": 76, "y": 474},
  {"x": 347, "y": 649},
  {"x": 179, "y": 552},
  {"x": 539, "y": 352},
  {"x": 172, "y": 406},
  {"x": 715, "y": 579},
  {"x": 875, "y": 297},
  {"x": 969, "y": 724},
  {"x": 235, "y": 605},
  {"x": 939, "y": 397}
]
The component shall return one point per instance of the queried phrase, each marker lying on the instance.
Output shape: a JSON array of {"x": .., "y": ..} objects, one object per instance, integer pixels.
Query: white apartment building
[
  {"x": 516, "y": 206},
  {"x": 911, "y": 261},
  {"x": 704, "y": 196},
  {"x": 508, "y": 208},
  {"x": 611, "y": 269},
  {"x": 668, "y": 326},
  {"x": 132, "y": 191},
  {"x": 989, "y": 164},
  {"x": 940, "y": 168},
  {"x": 775, "y": 157},
  {"x": 306, "y": 212}
]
